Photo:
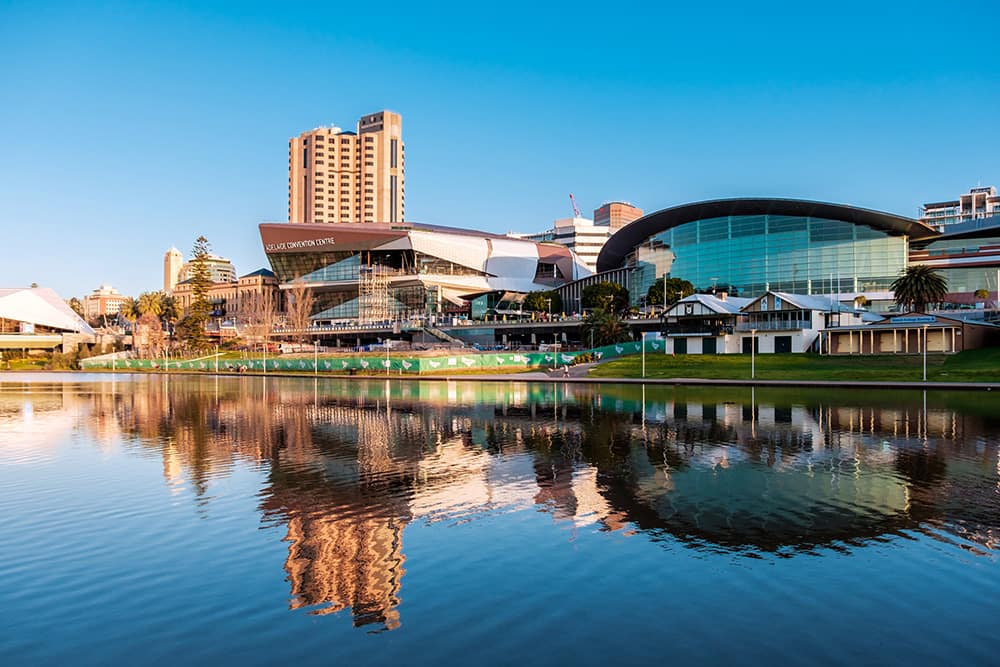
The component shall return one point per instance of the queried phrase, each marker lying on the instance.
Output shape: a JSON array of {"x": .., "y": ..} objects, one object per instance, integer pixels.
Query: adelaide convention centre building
[{"x": 375, "y": 272}]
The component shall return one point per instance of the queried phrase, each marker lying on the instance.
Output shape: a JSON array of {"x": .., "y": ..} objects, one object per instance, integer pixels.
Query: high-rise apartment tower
[{"x": 338, "y": 175}]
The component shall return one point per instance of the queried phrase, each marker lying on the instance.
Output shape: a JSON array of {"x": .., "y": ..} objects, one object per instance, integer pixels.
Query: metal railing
[{"x": 775, "y": 325}]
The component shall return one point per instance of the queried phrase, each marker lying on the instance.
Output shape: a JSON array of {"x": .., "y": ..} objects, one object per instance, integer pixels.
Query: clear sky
[{"x": 128, "y": 128}]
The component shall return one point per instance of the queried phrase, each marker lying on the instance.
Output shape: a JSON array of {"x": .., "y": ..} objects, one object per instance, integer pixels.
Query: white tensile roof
[{"x": 41, "y": 306}]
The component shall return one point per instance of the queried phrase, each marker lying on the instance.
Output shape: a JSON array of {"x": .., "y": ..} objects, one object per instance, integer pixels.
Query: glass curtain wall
[{"x": 803, "y": 255}]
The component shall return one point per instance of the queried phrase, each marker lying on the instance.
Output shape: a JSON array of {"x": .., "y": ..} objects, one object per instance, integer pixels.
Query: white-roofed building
[
  {"x": 704, "y": 324},
  {"x": 783, "y": 322},
  {"x": 38, "y": 318}
]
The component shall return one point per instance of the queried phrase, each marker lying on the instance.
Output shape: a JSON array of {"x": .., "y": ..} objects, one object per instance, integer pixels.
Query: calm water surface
[{"x": 198, "y": 520}]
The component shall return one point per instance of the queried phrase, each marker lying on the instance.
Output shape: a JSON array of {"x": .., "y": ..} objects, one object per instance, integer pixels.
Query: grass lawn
[
  {"x": 29, "y": 364},
  {"x": 972, "y": 366}
]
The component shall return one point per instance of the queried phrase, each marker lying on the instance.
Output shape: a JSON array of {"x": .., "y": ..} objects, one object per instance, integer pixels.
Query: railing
[
  {"x": 775, "y": 325},
  {"x": 674, "y": 330},
  {"x": 441, "y": 335}
]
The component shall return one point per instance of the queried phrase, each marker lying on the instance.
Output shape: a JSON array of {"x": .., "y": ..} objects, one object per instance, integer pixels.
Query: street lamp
[
  {"x": 642, "y": 342},
  {"x": 753, "y": 353},
  {"x": 664, "y": 293}
]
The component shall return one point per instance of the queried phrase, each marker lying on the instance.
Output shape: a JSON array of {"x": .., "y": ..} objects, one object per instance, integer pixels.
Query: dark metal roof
[
  {"x": 970, "y": 229},
  {"x": 267, "y": 273},
  {"x": 621, "y": 243}
]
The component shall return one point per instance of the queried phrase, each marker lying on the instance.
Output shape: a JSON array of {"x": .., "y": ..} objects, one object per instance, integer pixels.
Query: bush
[{"x": 63, "y": 362}]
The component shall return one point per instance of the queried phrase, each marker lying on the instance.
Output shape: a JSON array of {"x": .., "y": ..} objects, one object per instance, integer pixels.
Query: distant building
[
  {"x": 220, "y": 269},
  {"x": 173, "y": 260},
  {"x": 615, "y": 215},
  {"x": 231, "y": 298},
  {"x": 979, "y": 202},
  {"x": 580, "y": 235},
  {"x": 337, "y": 175},
  {"x": 103, "y": 301}
]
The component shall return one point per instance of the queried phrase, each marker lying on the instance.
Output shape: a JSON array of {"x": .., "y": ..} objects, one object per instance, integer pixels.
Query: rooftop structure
[{"x": 977, "y": 203}]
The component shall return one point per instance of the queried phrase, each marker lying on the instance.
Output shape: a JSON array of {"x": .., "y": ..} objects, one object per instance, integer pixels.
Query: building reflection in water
[{"x": 348, "y": 465}]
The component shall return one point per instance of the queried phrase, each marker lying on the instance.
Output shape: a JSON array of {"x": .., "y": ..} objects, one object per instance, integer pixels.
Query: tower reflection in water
[{"x": 348, "y": 465}]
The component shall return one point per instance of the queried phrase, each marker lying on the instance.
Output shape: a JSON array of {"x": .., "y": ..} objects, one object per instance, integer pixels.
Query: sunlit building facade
[
  {"x": 750, "y": 246},
  {"x": 376, "y": 272}
]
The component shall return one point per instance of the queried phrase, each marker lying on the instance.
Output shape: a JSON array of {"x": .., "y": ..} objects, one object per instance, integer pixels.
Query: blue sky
[{"x": 128, "y": 128}]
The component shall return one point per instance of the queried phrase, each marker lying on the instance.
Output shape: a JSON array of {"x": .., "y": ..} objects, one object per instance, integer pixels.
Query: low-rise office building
[
  {"x": 105, "y": 301},
  {"x": 911, "y": 333}
]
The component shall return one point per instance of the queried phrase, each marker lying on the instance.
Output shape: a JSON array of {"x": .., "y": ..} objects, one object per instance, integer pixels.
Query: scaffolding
[{"x": 374, "y": 304}]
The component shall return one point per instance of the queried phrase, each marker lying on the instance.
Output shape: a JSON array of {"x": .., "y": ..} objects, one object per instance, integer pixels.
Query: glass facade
[
  {"x": 947, "y": 255},
  {"x": 803, "y": 255}
]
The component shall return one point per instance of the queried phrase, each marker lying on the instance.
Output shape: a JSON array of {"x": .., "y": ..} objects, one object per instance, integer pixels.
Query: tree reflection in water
[{"x": 349, "y": 464}]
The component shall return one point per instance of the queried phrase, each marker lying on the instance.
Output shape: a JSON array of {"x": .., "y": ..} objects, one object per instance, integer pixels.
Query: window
[
  {"x": 393, "y": 148},
  {"x": 305, "y": 158}
]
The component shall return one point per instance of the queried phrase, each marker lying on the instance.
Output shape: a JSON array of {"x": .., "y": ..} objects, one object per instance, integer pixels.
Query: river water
[{"x": 201, "y": 520}]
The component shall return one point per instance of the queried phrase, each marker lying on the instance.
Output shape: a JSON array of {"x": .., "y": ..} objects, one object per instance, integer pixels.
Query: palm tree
[
  {"x": 918, "y": 286},
  {"x": 170, "y": 312},
  {"x": 129, "y": 311},
  {"x": 603, "y": 328},
  {"x": 150, "y": 303}
]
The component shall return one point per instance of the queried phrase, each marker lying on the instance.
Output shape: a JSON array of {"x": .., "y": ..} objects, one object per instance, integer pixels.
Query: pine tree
[{"x": 201, "y": 283}]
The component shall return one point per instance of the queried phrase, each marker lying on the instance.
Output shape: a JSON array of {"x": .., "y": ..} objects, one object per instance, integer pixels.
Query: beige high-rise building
[
  {"x": 173, "y": 260},
  {"x": 337, "y": 175}
]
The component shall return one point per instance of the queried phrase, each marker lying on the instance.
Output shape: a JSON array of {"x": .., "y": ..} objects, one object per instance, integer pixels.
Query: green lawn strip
[{"x": 972, "y": 366}]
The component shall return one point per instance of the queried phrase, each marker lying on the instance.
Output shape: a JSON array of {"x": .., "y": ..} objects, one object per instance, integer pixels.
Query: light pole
[
  {"x": 753, "y": 353},
  {"x": 315, "y": 357},
  {"x": 642, "y": 342},
  {"x": 925, "y": 353},
  {"x": 664, "y": 294}
]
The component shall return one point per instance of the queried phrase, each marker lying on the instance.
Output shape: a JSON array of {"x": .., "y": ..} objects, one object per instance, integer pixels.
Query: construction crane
[{"x": 576, "y": 209}]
